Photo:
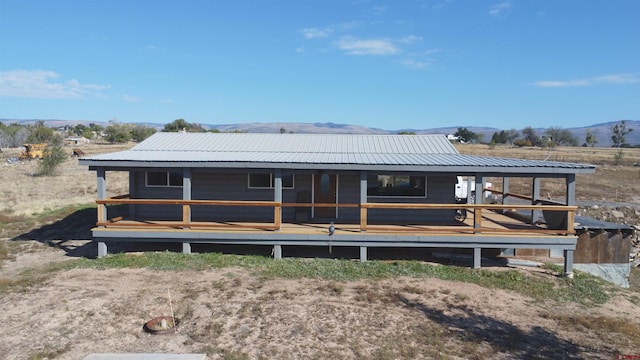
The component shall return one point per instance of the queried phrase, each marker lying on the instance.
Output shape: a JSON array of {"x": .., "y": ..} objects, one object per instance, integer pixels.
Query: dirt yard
[{"x": 233, "y": 313}]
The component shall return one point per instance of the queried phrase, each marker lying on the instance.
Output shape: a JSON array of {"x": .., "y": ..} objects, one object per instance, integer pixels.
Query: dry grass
[
  {"x": 229, "y": 313},
  {"x": 610, "y": 183},
  {"x": 24, "y": 193}
]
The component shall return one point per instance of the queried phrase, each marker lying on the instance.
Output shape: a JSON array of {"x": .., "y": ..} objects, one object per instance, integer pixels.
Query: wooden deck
[
  {"x": 486, "y": 226},
  {"x": 492, "y": 223}
]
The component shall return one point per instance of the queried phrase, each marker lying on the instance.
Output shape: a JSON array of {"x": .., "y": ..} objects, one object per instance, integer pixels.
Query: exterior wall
[
  {"x": 208, "y": 185},
  {"x": 440, "y": 190}
]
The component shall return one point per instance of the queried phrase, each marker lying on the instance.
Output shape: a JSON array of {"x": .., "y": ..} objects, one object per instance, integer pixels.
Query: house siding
[{"x": 208, "y": 185}]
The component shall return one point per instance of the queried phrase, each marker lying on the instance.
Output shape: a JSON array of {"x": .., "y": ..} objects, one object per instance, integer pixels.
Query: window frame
[
  {"x": 271, "y": 182},
  {"x": 168, "y": 176},
  {"x": 411, "y": 178}
]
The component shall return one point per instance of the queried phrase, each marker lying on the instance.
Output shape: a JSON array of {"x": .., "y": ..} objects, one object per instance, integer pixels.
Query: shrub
[{"x": 53, "y": 157}]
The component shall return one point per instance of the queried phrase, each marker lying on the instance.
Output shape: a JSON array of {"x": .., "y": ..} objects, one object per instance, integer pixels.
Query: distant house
[
  {"x": 76, "y": 140},
  {"x": 287, "y": 189}
]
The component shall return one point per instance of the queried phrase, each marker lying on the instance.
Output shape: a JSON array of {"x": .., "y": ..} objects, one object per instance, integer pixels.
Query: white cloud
[
  {"x": 130, "y": 98},
  {"x": 354, "y": 46},
  {"x": 44, "y": 84},
  {"x": 316, "y": 33},
  {"x": 618, "y": 79},
  {"x": 410, "y": 39},
  {"x": 379, "y": 10},
  {"x": 598, "y": 80},
  {"x": 557, "y": 83},
  {"x": 501, "y": 9},
  {"x": 421, "y": 60},
  {"x": 416, "y": 64}
]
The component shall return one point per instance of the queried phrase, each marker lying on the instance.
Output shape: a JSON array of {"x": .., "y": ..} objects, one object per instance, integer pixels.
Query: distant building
[{"x": 76, "y": 140}]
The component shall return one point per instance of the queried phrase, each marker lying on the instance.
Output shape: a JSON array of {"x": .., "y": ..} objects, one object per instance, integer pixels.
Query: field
[{"x": 60, "y": 303}]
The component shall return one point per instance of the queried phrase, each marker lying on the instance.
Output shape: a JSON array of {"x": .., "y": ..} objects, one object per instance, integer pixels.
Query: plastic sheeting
[{"x": 614, "y": 273}]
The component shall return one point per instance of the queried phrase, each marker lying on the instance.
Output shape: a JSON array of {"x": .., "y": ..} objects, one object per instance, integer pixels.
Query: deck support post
[
  {"x": 102, "y": 249},
  {"x": 186, "y": 248},
  {"x": 186, "y": 195},
  {"x": 363, "y": 253},
  {"x": 479, "y": 198},
  {"x": 477, "y": 258},
  {"x": 277, "y": 252},
  {"x": 571, "y": 189},
  {"x": 277, "y": 197},
  {"x": 568, "y": 263},
  {"x": 535, "y": 196},
  {"x": 132, "y": 194},
  {"x": 505, "y": 192},
  {"x": 102, "y": 194},
  {"x": 363, "y": 200}
]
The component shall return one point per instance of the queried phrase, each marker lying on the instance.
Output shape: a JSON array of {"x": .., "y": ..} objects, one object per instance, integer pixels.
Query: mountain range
[{"x": 602, "y": 131}]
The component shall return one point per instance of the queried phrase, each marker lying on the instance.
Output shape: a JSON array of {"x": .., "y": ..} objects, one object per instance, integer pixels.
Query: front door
[{"x": 325, "y": 192}]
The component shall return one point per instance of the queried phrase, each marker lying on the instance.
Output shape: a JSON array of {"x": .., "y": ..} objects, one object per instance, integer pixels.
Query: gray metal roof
[{"x": 317, "y": 151}]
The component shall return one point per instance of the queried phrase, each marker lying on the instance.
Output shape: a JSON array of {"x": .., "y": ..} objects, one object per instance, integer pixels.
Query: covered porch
[{"x": 487, "y": 226}]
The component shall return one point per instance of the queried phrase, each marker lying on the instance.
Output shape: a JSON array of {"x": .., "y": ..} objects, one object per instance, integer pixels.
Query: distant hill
[{"x": 602, "y": 130}]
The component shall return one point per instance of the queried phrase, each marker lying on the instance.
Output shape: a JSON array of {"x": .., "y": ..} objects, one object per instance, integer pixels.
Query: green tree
[
  {"x": 465, "y": 135},
  {"x": 140, "y": 132},
  {"x": 52, "y": 158},
  {"x": 40, "y": 134},
  {"x": 499, "y": 137},
  {"x": 117, "y": 133},
  {"x": 512, "y": 135},
  {"x": 619, "y": 132},
  {"x": 590, "y": 138},
  {"x": 560, "y": 136},
  {"x": 182, "y": 125},
  {"x": 530, "y": 136}
]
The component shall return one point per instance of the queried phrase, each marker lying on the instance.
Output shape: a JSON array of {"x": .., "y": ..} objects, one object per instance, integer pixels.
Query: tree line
[{"x": 553, "y": 136}]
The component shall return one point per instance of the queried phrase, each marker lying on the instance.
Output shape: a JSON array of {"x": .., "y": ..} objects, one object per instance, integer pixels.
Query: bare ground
[{"x": 235, "y": 314}]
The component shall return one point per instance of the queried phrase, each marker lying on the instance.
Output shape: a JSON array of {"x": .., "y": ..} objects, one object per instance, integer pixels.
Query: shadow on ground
[
  {"x": 71, "y": 234},
  {"x": 536, "y": 343}
]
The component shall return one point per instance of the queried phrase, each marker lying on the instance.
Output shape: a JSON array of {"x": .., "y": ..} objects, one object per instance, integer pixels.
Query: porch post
[
  {"x": 101, "y": 208},
  {"x": 102, "y": 194},
  {"x": 505, "y": 192},
  {"x": 535, "y": 196},
  {"x": 186, "y": 195},
  {"x": 186, "y": 209},
  {"x": 477, "y": 213},
  {"x": 132, "y": 193},
  {"x": 277, "y": 252},
  {"x": 571, "y": 189},
  {"x": 277, "y": 197},
  {"x": 363, "y": 200}
]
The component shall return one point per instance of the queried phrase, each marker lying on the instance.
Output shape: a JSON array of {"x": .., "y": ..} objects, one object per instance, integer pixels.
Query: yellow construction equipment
[{"x": 33, "y": 151}]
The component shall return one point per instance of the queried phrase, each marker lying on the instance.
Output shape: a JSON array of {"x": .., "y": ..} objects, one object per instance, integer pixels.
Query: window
[
  {"x": 164, "y": 178},
  {"x": 397, "y": 185},
  {"x": 265, "y": 181}
]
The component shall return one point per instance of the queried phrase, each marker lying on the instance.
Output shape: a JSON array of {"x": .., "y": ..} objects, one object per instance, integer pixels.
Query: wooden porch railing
[{"x": 476, "y": 209}]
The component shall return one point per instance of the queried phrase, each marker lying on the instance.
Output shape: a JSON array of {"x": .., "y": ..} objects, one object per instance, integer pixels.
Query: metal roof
[{"x": 317, "y": 151}]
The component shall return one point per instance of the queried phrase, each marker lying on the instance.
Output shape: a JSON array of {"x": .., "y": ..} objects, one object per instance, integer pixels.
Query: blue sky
[{"x": 388, "y": 64}]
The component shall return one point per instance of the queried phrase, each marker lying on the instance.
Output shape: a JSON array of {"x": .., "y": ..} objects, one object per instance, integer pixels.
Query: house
[
  {"x": 288, "y": 189},
  {"x": 76, "y": 140}
]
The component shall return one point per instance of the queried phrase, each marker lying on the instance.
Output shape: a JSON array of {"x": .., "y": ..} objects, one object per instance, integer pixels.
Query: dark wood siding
[
  {"x": 440, "y": 190},
  {"x": 210, "y": 185}
]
